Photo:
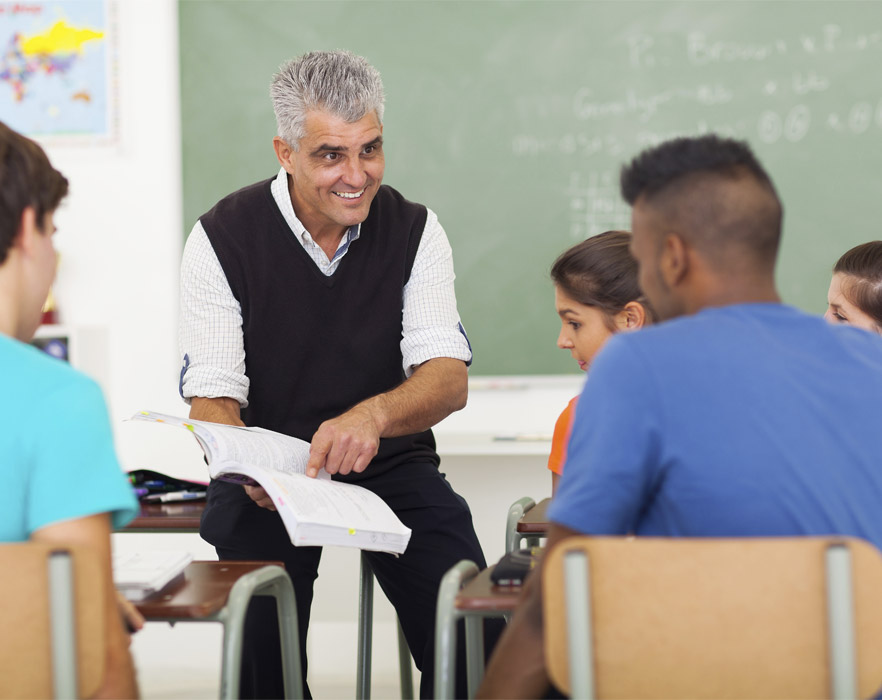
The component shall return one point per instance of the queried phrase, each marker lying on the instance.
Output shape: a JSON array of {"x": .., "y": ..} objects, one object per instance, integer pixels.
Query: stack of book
[{"x": 139, "y": 575}]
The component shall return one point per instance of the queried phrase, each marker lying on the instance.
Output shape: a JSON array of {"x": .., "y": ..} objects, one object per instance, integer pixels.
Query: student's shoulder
[
  {"x": 819, "y": 336},
  {"x": 32, "y": 375},
  {"x": 718, "y": 325},
  {"x": 675, "y": 343},
  {"x": 667, "y": 336},
  {"x": 857, "y": 343}
]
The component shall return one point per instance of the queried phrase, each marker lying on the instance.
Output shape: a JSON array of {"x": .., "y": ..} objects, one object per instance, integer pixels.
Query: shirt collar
[{"x": 282, "y": 198}]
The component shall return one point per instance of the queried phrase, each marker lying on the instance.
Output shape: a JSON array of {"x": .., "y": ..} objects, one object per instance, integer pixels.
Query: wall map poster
[{"x": 57, "y": 70}]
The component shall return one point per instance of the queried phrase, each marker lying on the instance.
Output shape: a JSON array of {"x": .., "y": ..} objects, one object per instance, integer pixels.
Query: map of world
[{"x": 54, "y": 68}]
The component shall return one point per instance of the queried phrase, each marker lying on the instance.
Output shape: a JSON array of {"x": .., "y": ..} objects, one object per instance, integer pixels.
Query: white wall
[
  {"x": 120, "y": 229},
  {"x": 121, "y": 241}
]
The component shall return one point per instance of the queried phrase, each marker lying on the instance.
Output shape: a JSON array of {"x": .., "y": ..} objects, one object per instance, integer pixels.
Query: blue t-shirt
[
  {"x": 747, "y": 420},
  {"x": 57, "y": 459}
]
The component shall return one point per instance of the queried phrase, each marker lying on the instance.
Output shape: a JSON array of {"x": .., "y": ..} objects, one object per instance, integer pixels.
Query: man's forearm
[
  {"x": 436, "y": 389},
  {"x": 350, "y": 441},
  {"x": 217, "y": 410}
]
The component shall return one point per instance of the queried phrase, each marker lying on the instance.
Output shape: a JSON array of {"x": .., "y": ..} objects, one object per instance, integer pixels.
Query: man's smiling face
[{"x": 336, "y": 172}]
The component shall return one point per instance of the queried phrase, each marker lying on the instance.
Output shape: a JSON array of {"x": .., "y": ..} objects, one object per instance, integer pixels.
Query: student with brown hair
[
  {"x": 596, "y": 295},
  {"x": 855, "y": 294},
  {"x": 61, "y": 478}
]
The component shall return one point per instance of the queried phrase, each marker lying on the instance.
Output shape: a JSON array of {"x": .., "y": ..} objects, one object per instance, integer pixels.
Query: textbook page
[
  {"x": 324, "y": 512},
  {"x": 315, "y": 511},
  {"x": 233, "y": 445}
]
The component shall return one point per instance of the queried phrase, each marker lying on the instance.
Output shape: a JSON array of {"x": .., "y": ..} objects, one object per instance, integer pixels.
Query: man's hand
[
  {"x": 260, "y": 497},
  {"x": 344, "y": 444},
  {"x": 349, "y": 442}
]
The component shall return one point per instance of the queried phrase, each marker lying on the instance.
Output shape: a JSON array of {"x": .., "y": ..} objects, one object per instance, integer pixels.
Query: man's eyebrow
[{"x": 326, "y": 147}]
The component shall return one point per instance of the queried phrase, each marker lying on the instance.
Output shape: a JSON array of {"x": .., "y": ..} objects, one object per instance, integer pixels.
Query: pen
[
  {"x": 175, "y": 496},
  {"x": 522, "y": 438}
]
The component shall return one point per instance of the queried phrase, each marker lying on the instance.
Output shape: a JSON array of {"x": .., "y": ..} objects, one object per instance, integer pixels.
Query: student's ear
[
  {"x": 632, "y": 317},
  {"x": 674, "y": 260},
  {"x": 27, "y": 230}
]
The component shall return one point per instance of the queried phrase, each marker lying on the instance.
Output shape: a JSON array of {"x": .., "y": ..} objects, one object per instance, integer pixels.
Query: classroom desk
[
  {"x": 469, "y": 595},
  {"x": 528, "y": 521},
  {"x": 534, "y": 522},
  {"x": 202, "y": 591},
  {"x": 207, "y": 587},
  {"x": 168, "y": 517},
  {"x": 220, "y": 591}
]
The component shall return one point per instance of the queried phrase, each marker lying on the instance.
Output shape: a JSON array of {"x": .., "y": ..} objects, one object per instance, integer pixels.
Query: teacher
[{"x": 320, "y": 303}]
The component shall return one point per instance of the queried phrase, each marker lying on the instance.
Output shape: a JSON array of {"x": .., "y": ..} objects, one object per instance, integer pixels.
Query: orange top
[{"x": 561, "y": 437}]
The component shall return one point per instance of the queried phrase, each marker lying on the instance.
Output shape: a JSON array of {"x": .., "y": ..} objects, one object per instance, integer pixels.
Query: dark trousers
[{"x": 442, "y": 535}]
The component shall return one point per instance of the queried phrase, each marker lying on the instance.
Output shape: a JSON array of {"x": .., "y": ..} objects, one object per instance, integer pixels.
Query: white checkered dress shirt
[{"x": 211, "y": 339}]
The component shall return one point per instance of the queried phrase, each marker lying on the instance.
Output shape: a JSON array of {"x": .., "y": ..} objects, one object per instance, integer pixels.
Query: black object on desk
[
  {"x": 153, "y": 486},
  {"x": 514, "y": 567}
]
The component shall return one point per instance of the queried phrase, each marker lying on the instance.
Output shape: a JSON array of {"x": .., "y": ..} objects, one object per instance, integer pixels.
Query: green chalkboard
[{"x": 511, "y": 120}]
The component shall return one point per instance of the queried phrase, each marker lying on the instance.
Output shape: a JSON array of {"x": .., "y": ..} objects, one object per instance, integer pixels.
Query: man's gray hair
[{"x": 337, "y": 82}]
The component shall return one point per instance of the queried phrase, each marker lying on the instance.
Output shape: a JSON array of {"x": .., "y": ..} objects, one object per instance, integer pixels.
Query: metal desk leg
[
  {"x": 445, "y": 626},
  {"x": 272, "y": 581},
  {"x": 474, "y": 631},
  {"x": 516, "y": 512},
  {"x": 404, "y": 669},
  {"x": 365, "y": 630}
]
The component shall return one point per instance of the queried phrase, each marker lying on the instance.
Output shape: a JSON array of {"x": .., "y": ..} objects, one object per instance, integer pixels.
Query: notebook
[{"x": 138, "y": 575}]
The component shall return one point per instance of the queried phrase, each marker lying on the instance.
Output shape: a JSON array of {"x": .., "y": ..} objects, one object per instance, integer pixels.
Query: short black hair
[
  {"x": 716, "y": 194},
  {"x": 27, "y": 179},
  {"x": 655, "y": 168}
]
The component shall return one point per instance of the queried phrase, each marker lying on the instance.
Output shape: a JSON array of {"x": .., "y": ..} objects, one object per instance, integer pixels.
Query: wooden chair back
[
  {"x": 712, "y": 618},
  {"x": 28, "y": 664}
]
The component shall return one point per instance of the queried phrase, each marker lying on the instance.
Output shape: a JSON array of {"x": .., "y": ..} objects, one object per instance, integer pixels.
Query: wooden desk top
[
  {"x": 182, "y": 517},
  {"x": 535, "y": 520},
  {"x": 481, "y": 595},
  {"x": 203, "y": 591}
]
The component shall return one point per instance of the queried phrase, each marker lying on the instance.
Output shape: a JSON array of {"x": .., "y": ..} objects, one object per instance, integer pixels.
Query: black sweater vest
[{"x": 315, "y": 345}]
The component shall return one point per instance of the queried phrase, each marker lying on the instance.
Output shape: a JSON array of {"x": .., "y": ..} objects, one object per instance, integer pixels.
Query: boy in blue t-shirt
[
  {"x": 61, "y": 478},
  {"x": 737, "y": 416}
]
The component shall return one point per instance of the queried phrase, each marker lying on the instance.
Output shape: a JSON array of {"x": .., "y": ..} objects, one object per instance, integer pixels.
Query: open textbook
[{"x": 316, "y": 511}]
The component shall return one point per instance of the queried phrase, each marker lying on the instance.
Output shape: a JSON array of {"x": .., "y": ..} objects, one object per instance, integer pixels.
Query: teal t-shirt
[{"x": 57, "y": 460}]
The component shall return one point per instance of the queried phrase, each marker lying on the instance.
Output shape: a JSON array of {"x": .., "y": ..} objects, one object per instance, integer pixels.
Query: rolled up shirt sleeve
[
  {"x": 431, "y": 323},
  {"x": 211, "y": 340}
]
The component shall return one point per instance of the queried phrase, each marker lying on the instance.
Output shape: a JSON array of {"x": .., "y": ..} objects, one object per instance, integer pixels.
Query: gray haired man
[{"x": 320, "y": 304}]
